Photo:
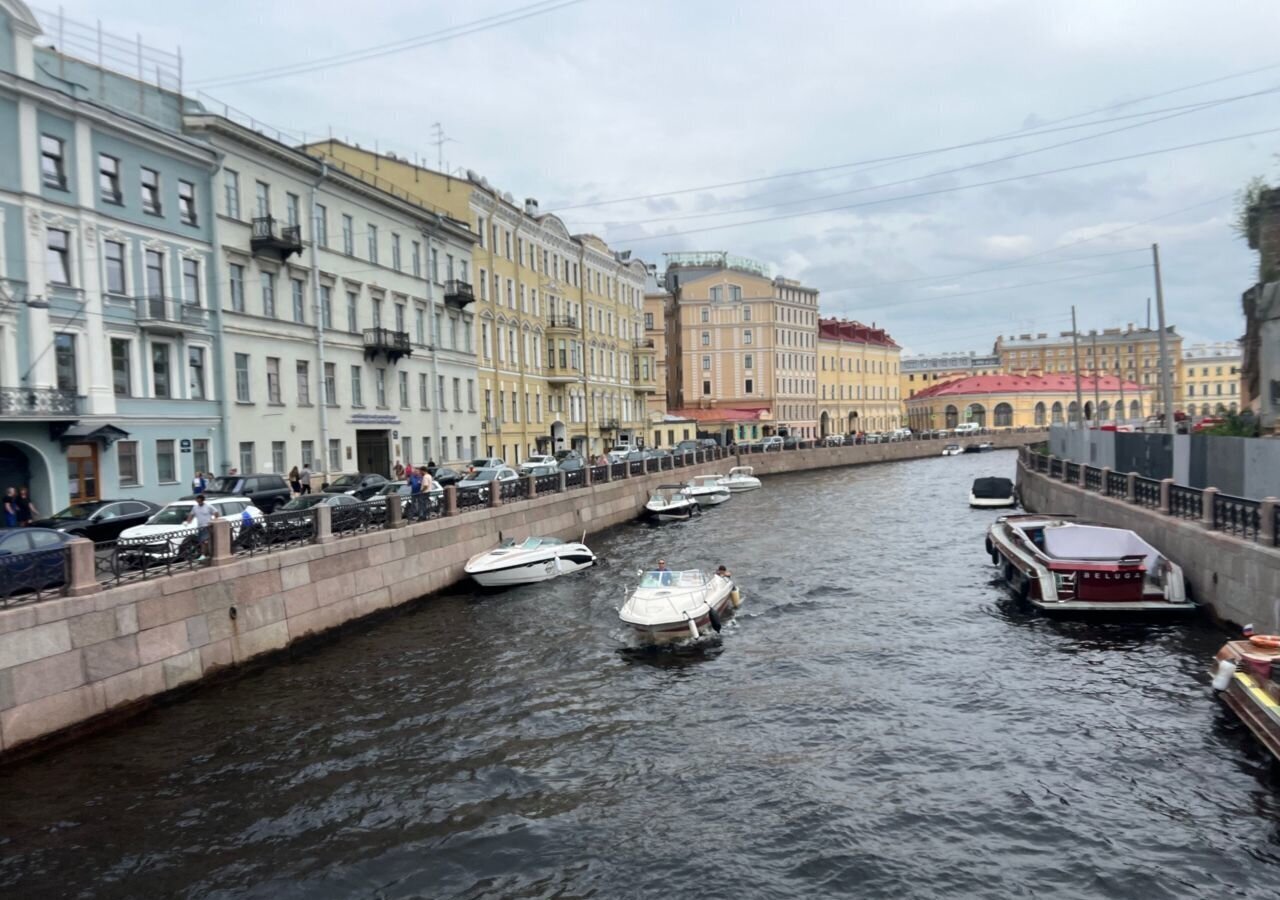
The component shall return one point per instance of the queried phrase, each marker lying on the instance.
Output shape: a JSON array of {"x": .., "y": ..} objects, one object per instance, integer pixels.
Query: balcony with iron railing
[
  {"x": 271, "y": 238},
  {"x": 38, "y": 403},
  {"x": 642, "y": 343},
  {"x": 388, "y": 342},
  {"x": 563, "y": 374},
  {"x": 458, "y": 293},
  {"x": 557, "y": 322},
  {"x": 170, "y": 315},
  {"x": 608, "y": 424}
]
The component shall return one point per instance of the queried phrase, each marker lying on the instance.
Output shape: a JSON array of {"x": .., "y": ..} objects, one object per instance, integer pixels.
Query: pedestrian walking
[
  {"x": 26, "y": 509},
  {"x": 10, "y": 508},
  {"x": 305, "y": 478},
  {"x": 295, "y": 481},
  {"x": 203, "y": 516},
  {"x": 399, "y": 471}
]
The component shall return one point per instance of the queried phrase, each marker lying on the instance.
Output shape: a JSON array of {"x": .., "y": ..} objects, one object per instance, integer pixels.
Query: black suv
[
  {"x": 266, "y": 490},
  {"x": 361, "y": 485}
]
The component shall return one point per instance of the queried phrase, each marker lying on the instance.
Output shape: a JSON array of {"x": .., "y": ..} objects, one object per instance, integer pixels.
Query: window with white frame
[
  {"x": 242, "y": 377},
  {"x": 127, "y": 463},
  {"x": 235, "y": 282},
  {"x": 109, "y": 179},
  {"x": 330, "y": 384},
  {"x": 303, "y": 370},
  {"x": 113, "y": 256},
  {"x": 273, "y": 380},
  {"x": 53, "y": 164},
  {"x": 187, "y": 203},
  {"x": 150, "y": 179},
  {"x": 195, "y": 372},
  {"x": 231, "y": 192},
  {"x": 268, "y": 294},
  {"x": 58, "y": 256},
  {"x": 191, "y": 282}
]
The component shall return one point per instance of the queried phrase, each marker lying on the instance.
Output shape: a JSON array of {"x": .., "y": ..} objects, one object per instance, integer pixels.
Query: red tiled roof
[
  {"x": 723, "y": 414},
  {"x": 853, "y": 332},
  {"x": 1051, "y": 383}
]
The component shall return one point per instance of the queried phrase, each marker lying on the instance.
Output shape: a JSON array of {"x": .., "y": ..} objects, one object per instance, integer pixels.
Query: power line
[
  {"x": 1043, "y": 128},
  {"x": 949, "y": 190},
  {"x": 1052, "y": 262},
  {"x": 379, "y": 50}
]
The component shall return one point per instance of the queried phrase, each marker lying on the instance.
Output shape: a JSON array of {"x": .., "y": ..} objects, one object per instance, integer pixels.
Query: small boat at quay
[
  {"x": 668, "y": 503},
  {"x": 741, "y": 478},
  {"x": 706, "y": 490},
  {"x": 1060, "y": 565},
  {"x": 992, "y": 493},
  {"x": 1246, "y": 675},
  {"x": 670, "y": 606},
  {"x": 952, "y": 450},
  {"x": 525, "y": 562}
]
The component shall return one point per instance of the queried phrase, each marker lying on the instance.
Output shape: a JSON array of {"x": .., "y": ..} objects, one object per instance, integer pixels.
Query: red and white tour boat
[{"x": 1059, "y": 565}]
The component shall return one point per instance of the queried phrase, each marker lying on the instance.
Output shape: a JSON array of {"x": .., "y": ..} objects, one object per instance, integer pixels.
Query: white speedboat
[
  {"x": 706, "y": 490},
  {"x": 952, "y": 450},
  {"x": 741, "y": 478},
  {"x": 669, "y": 503},
  {"x": 674, "y": 606},
  {"x": 992, "y": 493},
  {"x": 531, "y": 560}
]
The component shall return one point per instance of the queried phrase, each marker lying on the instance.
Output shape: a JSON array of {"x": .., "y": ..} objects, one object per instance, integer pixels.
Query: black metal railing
[
  {"x": 1146, "y": 492},
  {"x": 558, "y": 321},
  {"x": 355, "y": 518},
  {"x": 618, "y": 470},
  {"x": 1185, "y": 502},
  {"x": 515, "y": 489},
  {"x": 37, "y": 402},
  {"x": 1055, "y": 467},
  {"x": 548, "y": 484},
  {"x": 156, "y": 309},
  {"x": 472, "y": 498},
  {"x": 599, "y": 474},
  {"x": 1092, "y": 478},
  {"x": 458, "y": 293},
  {"x": 269, "y": 234},
  {"x": 1071, "y": 472},
  {"x": 276, "y": 531},
  {"x": 35, "y": 575},
  {"x": 575, "y": 478},
  {"x": 636, "y": 466},
  {"x": 155, "y": 556},
  {"x": 387, "y": 341},
  {"x": 424, "y": 506},
  {"x": 1118, "y": 484},
  {"x": 1237, "y": 515}
]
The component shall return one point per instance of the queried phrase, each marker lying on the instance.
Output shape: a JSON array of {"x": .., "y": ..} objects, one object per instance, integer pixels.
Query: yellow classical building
[
  {"x": 858, "y": 378},
  {"x": 1016, "y": 401},
  {"x": 563, "y": 359},
  {"x": 925, "y": 370},
  {"x": 1211, "y": 378}
]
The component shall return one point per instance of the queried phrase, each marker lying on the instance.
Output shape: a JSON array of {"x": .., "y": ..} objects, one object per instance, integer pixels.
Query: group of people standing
[
  {"x": 300, "y": 480},
  {"x": 19, "y": 510}
]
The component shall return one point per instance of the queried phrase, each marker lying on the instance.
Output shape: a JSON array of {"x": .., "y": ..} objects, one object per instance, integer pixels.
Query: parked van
[{"x": 967, "y": 428}]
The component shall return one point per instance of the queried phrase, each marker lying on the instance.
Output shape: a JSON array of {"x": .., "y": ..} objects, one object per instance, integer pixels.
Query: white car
[
  {"x": 166, "y": 535},
  {"x": 534, "y": 461},
  {"x": 481, "y": 478},
  {"x": 966, "y": 428},
  {"x": 773, "y": 442}
]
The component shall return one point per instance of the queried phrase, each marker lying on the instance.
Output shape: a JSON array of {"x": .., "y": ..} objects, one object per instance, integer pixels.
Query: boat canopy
[
  {"x": 658, "y": 578},
  {"x": 1085, "y": 542},
  {"x": 529, "y": 543},
  {"x": 741, "y": 470},
  {"x": 992, "y": 488}
]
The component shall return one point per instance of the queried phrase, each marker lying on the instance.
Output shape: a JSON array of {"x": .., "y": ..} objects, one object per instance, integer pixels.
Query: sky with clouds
[{"x": 985, "y": 164}]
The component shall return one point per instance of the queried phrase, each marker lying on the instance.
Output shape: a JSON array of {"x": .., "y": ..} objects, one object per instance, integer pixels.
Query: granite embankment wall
[
  {"x": 1236, "y": 580},
  {"x": 70, "y": 662}
]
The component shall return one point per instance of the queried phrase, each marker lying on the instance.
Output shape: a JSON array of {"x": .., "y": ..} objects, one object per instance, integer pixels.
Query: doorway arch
[{"x": 22, "y": 465}]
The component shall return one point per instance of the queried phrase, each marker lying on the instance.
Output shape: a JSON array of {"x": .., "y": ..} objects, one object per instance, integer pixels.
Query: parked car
[
  {"x": 481, "y": 478},
  {"x": 100, "y": 520},
  {"x": 790, "y": 442},
  {"x": 966, "y": 428},
  {"x": 688, "y": 446},
  {"x": 30, "y": 561},
  {"x": 378, "y": 502},
  {"x": 360, "y": 485},
  {"x": 166, "y": 535},
  {"x": 534, "y": 462},
  {"x": 280, "y": 525},
  {"x": 445, "y": 476},
  {"x": 487, "y": 462},
  {"x": 773, "y": 442},
  {"x": 562, "y": 455},
  {"x": 571, "y": 463},
  {"x": 265, "y": 489},
  {"x": 901, "y": 434},
  {"x": 833, "y": 440},
  {"x": 538, "y": 471}
]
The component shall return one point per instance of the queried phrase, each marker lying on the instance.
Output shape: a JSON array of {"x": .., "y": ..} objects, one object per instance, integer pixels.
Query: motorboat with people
[
  {"x": 741, "y": 478},
  {"x": 669, "y": 606},
  {"x": 706, "y": 490},
  {"x": 528, "y": 561},
  {"x": 1246, "y": 675},
  {"x": 980, "y": 447},
  {"x": 669, "y": 503},
  {"x": 1057, "y": 564},
  {"x": 992, "y": 493},
  {"x": 952, "y": 450}
]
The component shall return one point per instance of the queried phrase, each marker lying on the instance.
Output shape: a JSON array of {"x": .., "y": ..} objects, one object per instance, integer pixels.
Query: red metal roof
[
  {"x": 853, "y": 332},
  {"x": 1050, "y": 383},
  {"x": 723, "y": 414}
]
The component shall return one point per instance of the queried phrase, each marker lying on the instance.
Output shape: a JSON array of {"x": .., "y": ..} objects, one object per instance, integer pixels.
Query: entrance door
[
  {"x": 15, "y": 472},
  {"x": 82, "y": 472},
  {"x": 373, "y": 453}
]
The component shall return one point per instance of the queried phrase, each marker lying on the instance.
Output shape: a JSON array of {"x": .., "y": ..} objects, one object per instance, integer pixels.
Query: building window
[
  {"x": 113, "y": 252},
  {"x": 246, "y": 457},
  {"x": 292, "y": 210},
  {"x": 269, "y": 294},
  {"x": 706, "y": 363},
  {"x": 706, "y": 339},
  {"x": 121, "y": 373},
  {"x": 277, "y": 456},
  {"x": 242, "y": 377},
  {"x": 151, "y": 191},
  {"x": 52, "y": 162},
  {"x": 352, "y": 319},
  {"x": 330, "y": 384},
  {"x": 166, "y": 470},
  {"x": 706, "y": 388},
  {"x": 417, "y": 259},
  {"x": 308, "y": 454},
  {"x": 191, "y": 282},
  {"x": 195, "y": 370},
  {"x": 236, "y": 283},
  {"x": 109, "y": 179},
  {"x": 357, "y": 392},
  {"x": 717, "y": 294},
  {"x": 273, "y": 380},
  {"x": 404, "y": 389},
  {"x": 326, "y": 305},
  {"x": 160, "y": 370},
  {"x": 64, "y": 349},
  {"x": 423, "y": 391},
  {"x": 435, "y": 263},
  {"x": 747, "y": 361},
  {"x": 400, "y": 317},
  {"x": 335, "y": 455},
  {"x": 231, "y": 192},
  {"x": 348, "y": 235},
  {"x": 299, "y": 300},
  {"x": 187, "y": 202},
  {"x": 746, "y": 336},
  {"x": 58, "y": 257},
  {"x": 648, "y": 320},
  {"x": 457, "y": 397},
  {"x": 127, "y": 462},
  {"x": 395, "y": 252},
  {"x": 471, "y": 395},
  {"x": 303, "y": 369},
  {"x": 321, "y": 226},
  {"x": 706, "y": 314},
  {"x": 440, "y": 391},
  {"x": 373, "y": 244},
  {"x": 380, "y": 386},
  {"x": 749, "y": 386},
  {"x": 262, "y": 197},
  {"x": 735, "y": 293}
]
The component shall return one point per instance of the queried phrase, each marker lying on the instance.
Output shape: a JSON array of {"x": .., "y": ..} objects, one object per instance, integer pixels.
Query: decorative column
[
  {"x": 1207, "y": 497},
  {"x": 82, "y": 575},
  {"x": 1104, "y": 488},
  {"x": 1165, "y": 485},
  {"x": 395, "y": 511},
  {"x": 1267, "y": 521},
  {"x": 324, "y": 523},
  {"x": 220, "y": 543}
]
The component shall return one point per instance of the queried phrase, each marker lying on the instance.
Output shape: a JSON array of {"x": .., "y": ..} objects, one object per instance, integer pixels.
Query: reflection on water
[{"x": 878, "y": 720}]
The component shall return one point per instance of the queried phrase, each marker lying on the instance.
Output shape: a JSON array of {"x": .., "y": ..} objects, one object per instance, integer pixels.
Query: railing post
[
  {"x": 324, "y": 523},
  {"x": 1049, "y": 470},
  {"x": 1131, "y": 488},
  {"x": 495, "y": 493},
  {"x": 1267, "y": 521},
  {"x": 1206, "y": 506},
  {"x": 395, "y": 511},
  {"x": 220, "y": 542},
  {"x": 1105, "y": 487},
  {"x": 564, "y": 485},
  {"x": 451, "y": 500},
  {"x": 608, "y": 472},
  {"x": 586, "y": 476},
  {"x": 1165, "y": 485},
  {"x": 531, "y": 485},
  {"x": 1083, "y": 474},
  {"x": 81, "y": 571}
]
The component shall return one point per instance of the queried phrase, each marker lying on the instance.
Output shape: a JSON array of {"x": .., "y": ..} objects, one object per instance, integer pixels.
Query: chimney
[{"x": 531, "y": 206}]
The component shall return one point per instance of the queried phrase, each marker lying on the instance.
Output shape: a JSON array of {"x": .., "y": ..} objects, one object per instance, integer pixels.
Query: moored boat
[
  {"x": 668, "y": 503},
  {"x": 952, "y": 450},
  {"x": 706, "y": 490},
  {"x": 670, "y": 606},
  {"x": 525, "y": 562},
  {"x": 741, "y": 478},
  {"x": 1245, "y": 675},
  {"x": 992, "y": 493},
  {"x": 1059, "y": 565}
]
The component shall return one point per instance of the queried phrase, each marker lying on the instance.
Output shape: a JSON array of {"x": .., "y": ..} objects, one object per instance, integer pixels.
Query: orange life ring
[{"x": 1270, "y": 641}]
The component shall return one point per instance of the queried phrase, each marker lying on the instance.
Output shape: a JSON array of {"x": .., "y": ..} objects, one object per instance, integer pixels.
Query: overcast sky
[{"x": 606, "y": 99}]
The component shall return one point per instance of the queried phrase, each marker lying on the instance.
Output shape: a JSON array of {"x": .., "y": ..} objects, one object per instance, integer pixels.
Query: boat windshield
[
  {"x": 740, "y": 471},
  {"x": 691, "y": 578}
]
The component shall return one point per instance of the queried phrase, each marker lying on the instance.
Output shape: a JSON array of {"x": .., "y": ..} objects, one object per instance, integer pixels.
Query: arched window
[
  {"x": 1234, "y": 408},
  {"x": 1057, "y": 413},
  {"x": 1040, "y": 413},
  {"x": 953, "y": 416},
  {"x": 978, "y": 413},
  {"x": 1004, "y": 415},
  {"x": 1104, "y": 411},
  {"x": 1135, "y": 409},
  {"x": 1220, "y": 409},
  {"x": 1073, "y": 411}
]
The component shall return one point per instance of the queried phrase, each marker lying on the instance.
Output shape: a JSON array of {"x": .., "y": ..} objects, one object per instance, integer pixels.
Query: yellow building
[
  {"x": 1016, "y": 401},
  {"x": 858, "y": 378},
  {"x": 924, "y": 371},
  {"x": 660, "y": 327},
  {"x": 563, "y": 360},
  {"x": 1211, "y": 378}
]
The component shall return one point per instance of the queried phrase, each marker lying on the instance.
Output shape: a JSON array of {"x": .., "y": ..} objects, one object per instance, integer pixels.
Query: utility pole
[
  {"x": 1097, "y": 400},
  {"x": 1120, "y": 378},
  {"x": 1166, "y": 384},
  {"x": 1075, "y": 350}
]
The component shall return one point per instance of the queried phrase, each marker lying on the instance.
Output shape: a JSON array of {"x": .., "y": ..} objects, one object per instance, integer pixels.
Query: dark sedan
[
  {"x": 32, "y": 560},
  {"x": 445, "y": 476},
  {"x": 360, "y": 485},
  {"x": 100, "y": 520}
]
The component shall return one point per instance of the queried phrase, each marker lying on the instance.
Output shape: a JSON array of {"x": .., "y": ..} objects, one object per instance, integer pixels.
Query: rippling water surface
[{"x": 878, "y": 721}]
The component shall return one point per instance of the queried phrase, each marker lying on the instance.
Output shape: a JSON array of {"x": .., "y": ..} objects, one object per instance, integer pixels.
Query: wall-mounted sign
[
  {"x": 184, "y": 445},
  {"x": 373, "y": 419}
]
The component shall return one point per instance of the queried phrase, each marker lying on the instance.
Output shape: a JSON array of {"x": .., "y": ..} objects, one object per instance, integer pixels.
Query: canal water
[{"x": 878, "y": 721}]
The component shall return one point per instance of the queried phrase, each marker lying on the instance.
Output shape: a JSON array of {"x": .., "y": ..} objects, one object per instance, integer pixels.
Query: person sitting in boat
[
  {"x": 664, "y": 574},
  {"x": 724, "y": 572}
]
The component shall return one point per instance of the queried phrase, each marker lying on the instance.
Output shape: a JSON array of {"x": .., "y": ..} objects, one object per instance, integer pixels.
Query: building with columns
[
  {"x": 1036, "y": 400},
  {"x": 109, "y": 371},
  {"x": 922, "y": 371},
  {"x": 858, "y": 378}
]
